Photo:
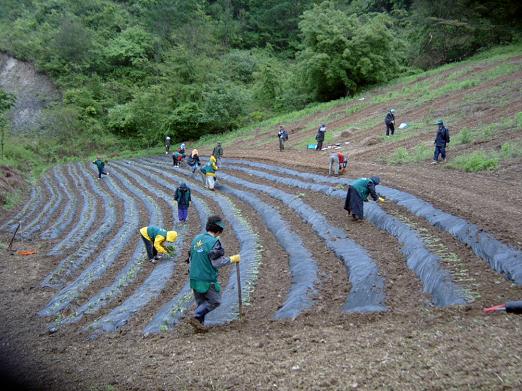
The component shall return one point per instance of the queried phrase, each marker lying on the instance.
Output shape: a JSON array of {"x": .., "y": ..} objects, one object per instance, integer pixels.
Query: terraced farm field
[{"x": 394, "y": 302}]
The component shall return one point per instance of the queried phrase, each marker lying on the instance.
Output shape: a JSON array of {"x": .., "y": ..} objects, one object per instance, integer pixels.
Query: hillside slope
[{"x": 393, "y": 302}]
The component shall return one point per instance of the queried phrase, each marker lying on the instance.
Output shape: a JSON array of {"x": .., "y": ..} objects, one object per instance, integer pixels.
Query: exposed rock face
[{"x": 34, "y": 92}]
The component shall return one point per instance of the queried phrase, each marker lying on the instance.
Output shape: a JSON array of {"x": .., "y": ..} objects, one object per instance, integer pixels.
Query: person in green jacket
[
  {"x": 359, "y": 191},
  {"x": 177, "y": 158},
  {"x": 210, "y": 173},
  {"x": 101, "y": 166},
  {"x": 154, "y": 239},
  {"x": 206, "y": 256}
]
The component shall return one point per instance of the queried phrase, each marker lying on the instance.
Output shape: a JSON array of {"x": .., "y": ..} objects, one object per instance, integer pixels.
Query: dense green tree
[
  {"x": 202, "y": 66},
  {"x": 341, "y": 54},
  {"x": 452, "y": 30},
  {"x": 272, "y": 22}
]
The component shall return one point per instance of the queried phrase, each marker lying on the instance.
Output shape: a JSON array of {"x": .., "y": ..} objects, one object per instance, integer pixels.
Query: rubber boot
[{"x": 200, "y": 314}]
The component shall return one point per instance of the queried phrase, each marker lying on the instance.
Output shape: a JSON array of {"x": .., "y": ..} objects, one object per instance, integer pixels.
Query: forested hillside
[{"x": 139, "y": 71}]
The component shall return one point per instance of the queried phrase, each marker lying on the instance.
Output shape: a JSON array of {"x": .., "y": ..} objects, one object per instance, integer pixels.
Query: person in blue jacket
[
  {"x": 183, "y": 200},
  {"x": 359, "y": 191},
  {"x": 441, "y": 142}
]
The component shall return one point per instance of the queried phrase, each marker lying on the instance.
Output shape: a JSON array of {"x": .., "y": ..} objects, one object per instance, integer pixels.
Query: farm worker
[
  {"x": 167, "y": 145},
  {"x": 154, "y": 239},
  {"x": 177, "y": 157},
  {"x": 283, "y": 136},
  {"x": 210, "y": 173},
  {"x": 217, "y": 152},
  {"x": 101, "y": 166},
  {"x": 336, "y": 159},
  {"x": 183, "y": 200},
  {"x": 360, "y": 190},
  {"x": 320, "y": 137},
  {"x": 206, "y": 256},
  {"x": 193, "y": 160},
  {"x": 182, "y": 148},
  {"x": 389, "y": 121},
  {"x": 441, "y": 142}
]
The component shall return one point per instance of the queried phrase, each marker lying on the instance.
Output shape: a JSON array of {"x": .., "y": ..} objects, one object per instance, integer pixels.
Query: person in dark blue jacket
[
  {"x": 441, "y": 142},
  {"x": 389, "y": 121},
  {"x": 182, "y": 198}
]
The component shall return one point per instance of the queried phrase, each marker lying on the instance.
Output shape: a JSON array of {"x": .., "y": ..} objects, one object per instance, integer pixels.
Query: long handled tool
[
  {"x": 239, "y": 290},
  {"x": 10, "y": 247}
]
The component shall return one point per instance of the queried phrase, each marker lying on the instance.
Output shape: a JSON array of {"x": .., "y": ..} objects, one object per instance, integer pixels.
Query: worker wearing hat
[
  {"x": 167, "y": 145},
  {"x": 441, "y": 142},
  {"x": 209, "y": 177},
  {"x": 217, "y": 152},
  {"x": 389, "y": 121},
  {"x": 101, "y": 166},
  {"x": 283, "y": 136},
  {"x": 154, "y": 239},
  {"x": 359, "y": 191},
  {"x": 320, "y": 137},
  {"x": 206, "y": 256}
]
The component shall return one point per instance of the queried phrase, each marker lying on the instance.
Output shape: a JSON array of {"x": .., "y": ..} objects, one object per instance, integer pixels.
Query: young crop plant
[
  {"x": 457, "y": 268},
  {"x": 171, "y": 250}
]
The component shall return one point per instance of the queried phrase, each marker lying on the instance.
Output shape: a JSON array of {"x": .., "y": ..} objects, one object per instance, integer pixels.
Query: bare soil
[{"x": 414, "y": 345}]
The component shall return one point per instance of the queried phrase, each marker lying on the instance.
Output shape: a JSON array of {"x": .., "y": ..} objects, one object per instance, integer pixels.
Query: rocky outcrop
[{"x": 34, "y": 92}]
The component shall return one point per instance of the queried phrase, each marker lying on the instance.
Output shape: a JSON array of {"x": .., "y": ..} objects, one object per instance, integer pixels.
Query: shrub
[
  {"x": 464, "y": 136},
  {"x": 401, "y": 155},
  {"x": 477, "y": 161}
]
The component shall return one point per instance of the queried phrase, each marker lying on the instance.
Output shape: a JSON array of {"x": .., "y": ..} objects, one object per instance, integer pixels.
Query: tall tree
[
  {"x": 451, "y": 30},
  {"x": 341, "y": 54}
]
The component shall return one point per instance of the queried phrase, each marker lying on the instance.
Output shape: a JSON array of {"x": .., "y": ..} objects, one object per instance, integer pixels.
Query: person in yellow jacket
[
  {"x": 154, "y": 239},
  {"x": 210, "y": 173}
]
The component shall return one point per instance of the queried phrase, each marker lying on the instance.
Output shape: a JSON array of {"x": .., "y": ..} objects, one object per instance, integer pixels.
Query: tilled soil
[{"x": 413, "y": 345}]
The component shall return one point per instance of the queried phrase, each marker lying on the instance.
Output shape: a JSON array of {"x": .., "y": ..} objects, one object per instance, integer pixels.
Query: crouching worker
[
  {"x": 359, "y": 191},
  {"x": 337, "y": 162},
  {"x": 210, "y": 173},
  {"x": 206, "y": 256},
  {"x": 177, "y": 158},
  {"x": 154, "y": 239}
]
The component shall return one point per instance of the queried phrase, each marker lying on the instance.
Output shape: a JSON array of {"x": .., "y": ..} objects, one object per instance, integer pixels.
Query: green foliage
[
  {"x": 511, "y": 150},
  {"x": 518, "y": 119},
  {"x": 9, "y": 200},
  {"x": 341, "y": 54},
  {"x": 133, "y": 47},
  {"x": 144, "y": 69},
  {"x": 464, "y": 136},
  {"x": 476, "y": 161},
  {"x": 402, "y": 155},
  {"x": 450, "y": 30}
]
